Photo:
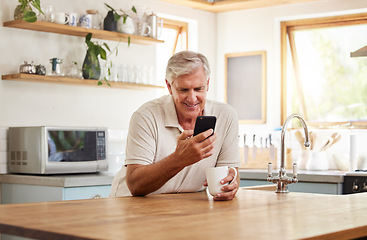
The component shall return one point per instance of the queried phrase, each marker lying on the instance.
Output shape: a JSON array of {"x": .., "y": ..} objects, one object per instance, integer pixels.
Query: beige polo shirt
[{"x": 153, "y": 133}]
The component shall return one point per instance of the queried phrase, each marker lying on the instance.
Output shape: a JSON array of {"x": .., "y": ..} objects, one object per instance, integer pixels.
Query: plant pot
[
  {"x": 19, "y": 13},
  {"x": 127, "y": 27},
  {"x": 109, "y": 22},
  {"x": 91, "y": 67}
]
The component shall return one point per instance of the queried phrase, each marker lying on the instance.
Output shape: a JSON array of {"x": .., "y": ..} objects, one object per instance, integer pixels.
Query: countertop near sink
[
  {"x": 71, "y": 180},
  {"x": 330, "y": 176}
]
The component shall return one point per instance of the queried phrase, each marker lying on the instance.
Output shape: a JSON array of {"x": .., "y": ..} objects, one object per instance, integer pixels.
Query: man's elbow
[{"x": 135, "y": 191}]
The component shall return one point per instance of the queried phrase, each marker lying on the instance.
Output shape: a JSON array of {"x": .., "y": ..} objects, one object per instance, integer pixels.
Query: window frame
[
  {"x": 287, "y": 28},
  {"x": 181, "y": 28}
]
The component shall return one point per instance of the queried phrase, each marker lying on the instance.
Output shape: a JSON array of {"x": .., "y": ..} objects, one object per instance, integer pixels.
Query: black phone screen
[{"x": 204, "y": 123}]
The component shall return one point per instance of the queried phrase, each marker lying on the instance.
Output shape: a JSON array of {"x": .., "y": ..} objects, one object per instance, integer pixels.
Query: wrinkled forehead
[{"x": 191, "y": 72}]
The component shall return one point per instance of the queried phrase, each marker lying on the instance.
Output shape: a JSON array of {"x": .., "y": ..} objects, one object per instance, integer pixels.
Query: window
[
  {"x": 319, "y": 78},
  {"x": 174, "y": 34}
]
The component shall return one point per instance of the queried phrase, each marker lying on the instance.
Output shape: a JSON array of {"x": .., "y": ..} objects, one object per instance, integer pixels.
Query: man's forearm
[{"x": 145, "y": 179}]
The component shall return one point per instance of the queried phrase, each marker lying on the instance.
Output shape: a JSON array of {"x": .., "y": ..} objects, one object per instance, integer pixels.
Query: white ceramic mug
[
  {"x": 143, "y": 29},
  {"x": 213, "y": 177},
  {"x": 73, "y": 19},
  {"x": 61, "y": 18}
]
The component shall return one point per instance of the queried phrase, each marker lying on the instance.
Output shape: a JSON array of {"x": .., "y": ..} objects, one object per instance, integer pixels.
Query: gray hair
[{"x": 186, "y": 62}]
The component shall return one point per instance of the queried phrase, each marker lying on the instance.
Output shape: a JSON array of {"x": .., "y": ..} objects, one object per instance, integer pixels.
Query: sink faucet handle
[
  {"x": 295, "y": 170},
  {"x": 270, "y": 169}
]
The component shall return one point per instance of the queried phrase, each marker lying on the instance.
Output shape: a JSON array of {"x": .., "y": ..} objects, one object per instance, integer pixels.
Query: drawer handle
[{"x": 97, "y": 196}]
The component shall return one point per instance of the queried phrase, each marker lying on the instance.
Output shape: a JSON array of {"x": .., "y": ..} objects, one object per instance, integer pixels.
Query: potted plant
[
  {"x": 24, "y": 10},
  {"x": 113, "y": 16},
  {"x": 91, "y": 66}
]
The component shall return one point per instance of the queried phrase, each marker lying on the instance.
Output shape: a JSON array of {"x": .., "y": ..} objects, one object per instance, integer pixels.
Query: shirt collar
[{"x": 170, "y": 115}]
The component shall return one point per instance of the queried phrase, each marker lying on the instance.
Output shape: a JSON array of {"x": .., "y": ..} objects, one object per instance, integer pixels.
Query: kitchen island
[{"x": 253, "y": 214}]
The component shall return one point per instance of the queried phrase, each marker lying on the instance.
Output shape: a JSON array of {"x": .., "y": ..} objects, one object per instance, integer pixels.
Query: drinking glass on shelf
[
  {"x": 73, "y": 71},
  {"x": 151, "y": 76},
  {"x": 123, "y": 73},
  {"x": 49, "y": 13},
  {"x": 138, "y": 74},
  {"x": 130, "y": 74},
  {"x": 145, "y": 75},
  {"x": 114, "y": 73}
]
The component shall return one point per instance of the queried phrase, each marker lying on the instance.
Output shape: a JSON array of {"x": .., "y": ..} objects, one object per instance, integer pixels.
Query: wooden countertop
[{"x": 253, "y": 214}]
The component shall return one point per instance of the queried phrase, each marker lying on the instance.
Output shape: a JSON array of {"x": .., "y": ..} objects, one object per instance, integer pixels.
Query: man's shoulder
[{"x": 154, "y": 104}]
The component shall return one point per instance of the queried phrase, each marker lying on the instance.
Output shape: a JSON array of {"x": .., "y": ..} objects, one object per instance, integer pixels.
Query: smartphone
[{"x": 204, "y": 123}]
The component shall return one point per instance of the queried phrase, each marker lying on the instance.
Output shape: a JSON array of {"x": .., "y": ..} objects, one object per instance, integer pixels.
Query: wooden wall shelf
[
  {"x": 80, "y": 31},
  {"x": 76, "y": 81}
]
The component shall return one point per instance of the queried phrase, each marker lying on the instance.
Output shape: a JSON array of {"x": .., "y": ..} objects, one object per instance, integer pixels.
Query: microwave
[{"x": 57, "y": 150}]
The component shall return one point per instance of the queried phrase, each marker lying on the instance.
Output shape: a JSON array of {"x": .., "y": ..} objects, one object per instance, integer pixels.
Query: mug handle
[
  {"x": 149, "y": 30},
  {"x": 235, "y": 176},
  {"x": 66, "y": 18}
]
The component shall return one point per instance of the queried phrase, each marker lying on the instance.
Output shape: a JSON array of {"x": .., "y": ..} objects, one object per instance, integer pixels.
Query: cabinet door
[
  {"x": 307, "y": 187},
  {"x": 21, "y": 193},
  {"x": 324, "y": 188},
  {"x": 89, "y": 192}
]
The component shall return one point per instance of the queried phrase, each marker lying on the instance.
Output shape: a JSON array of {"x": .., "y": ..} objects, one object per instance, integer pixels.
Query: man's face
[{"x": 189, "y": 94}]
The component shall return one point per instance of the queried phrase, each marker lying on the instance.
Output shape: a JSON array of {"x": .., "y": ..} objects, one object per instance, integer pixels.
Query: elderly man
[{"x": 162, "y": 155}]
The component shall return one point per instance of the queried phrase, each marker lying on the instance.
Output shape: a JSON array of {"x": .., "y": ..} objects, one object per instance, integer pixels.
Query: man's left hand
[{"x": 230, "y": 190}]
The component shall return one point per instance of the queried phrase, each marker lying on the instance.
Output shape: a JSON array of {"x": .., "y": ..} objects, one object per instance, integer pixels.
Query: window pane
[
  {"x": 165, "y": 50},
  {"x": 333, "y": 83}
]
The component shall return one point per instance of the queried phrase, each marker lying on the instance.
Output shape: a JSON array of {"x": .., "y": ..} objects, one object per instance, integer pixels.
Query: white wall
[
  {"x": 259, "y": 29},
  {"x": 26, "y": 104}
]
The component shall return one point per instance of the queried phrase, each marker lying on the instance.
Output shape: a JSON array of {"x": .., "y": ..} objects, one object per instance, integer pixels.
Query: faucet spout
[
  {"x": 284, "y": 131},
  {"x": 282, "y": 180}
]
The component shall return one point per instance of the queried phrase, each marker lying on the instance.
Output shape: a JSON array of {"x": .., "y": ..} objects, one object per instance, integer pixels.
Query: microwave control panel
[{"x": 101, "y": 145}]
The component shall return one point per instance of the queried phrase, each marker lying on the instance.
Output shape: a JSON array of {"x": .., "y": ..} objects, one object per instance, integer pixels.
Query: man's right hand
[
  {"x": 144, "y": 179},
  {"x": 193, "y": 149}
]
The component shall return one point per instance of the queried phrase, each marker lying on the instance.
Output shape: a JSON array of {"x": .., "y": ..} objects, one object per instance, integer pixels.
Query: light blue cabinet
[
  {"x": 324, "y": 182},
  {"x": 307, "y": 187},
  {"x": 21, "y": 193}
]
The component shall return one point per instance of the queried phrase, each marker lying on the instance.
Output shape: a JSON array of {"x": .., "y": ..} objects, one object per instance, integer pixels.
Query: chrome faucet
[{"x": 282, "y": 180}]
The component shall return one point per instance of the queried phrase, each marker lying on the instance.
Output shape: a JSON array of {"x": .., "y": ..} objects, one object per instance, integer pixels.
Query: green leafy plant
[
  {"x": 118, "y": 14},
  {"x": 94, "y": 51},
  {"x": 27, "y": 13}
]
